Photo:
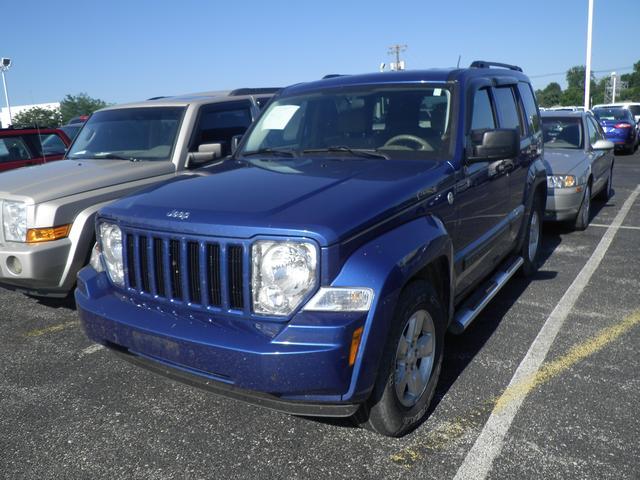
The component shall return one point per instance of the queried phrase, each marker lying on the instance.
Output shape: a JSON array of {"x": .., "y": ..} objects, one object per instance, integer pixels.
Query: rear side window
[
  {"x": 47, "y": 144},
  {"x": 507, "y": 109},
  {"x": 483, "y": 117},
  {"x": 531, "y": 112},
  {"x": 13, "y": 149},
  {"x": 635, "y": 109}
]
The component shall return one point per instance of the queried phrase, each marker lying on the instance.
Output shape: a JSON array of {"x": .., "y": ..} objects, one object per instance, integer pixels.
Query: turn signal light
[
  {"x": 355, "y": 344},
  {"x": 37, "y": 235}
]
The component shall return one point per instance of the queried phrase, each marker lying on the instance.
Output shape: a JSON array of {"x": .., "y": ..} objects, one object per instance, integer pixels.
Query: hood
[
  {"x": 325, "y": 199},
  {"x": 68, "y": 177},
  {"x": 562, "y": 161}
]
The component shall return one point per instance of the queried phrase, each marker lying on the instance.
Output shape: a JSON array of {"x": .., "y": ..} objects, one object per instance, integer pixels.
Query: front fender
[
  {"x": 536, "y": 178},
  {"x": 386, "y": 264}
]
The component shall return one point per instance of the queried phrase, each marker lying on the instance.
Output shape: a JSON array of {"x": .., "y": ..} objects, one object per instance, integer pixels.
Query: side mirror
[
  {"x": 235, "y": 141},
  {"x": 206, "y": 153},
  {"x": 495, "y": 144},
  {"x": 602, "y": 145}
]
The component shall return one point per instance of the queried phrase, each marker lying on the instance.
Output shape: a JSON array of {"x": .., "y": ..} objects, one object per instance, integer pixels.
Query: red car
[{"x": 20, "y": 147}]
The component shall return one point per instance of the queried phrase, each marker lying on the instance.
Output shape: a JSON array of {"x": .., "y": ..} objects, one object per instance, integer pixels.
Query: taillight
[{"x": 622, "y": 125}]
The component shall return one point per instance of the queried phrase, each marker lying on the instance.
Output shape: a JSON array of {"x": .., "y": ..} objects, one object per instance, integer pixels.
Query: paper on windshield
[{"x": 279, "y": 117}]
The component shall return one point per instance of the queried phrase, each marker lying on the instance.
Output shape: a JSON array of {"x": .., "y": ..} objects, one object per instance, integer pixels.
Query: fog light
[{"x": 14, "y": 265}]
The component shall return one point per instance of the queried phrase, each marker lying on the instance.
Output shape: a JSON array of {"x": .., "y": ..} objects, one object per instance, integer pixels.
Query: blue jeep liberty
[{"x": 316, "y": 270}]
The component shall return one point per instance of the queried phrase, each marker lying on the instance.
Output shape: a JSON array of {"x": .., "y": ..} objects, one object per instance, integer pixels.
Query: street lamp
[
  {"x": 5, "y": 63},
  {"x": 587, "y": 70}
]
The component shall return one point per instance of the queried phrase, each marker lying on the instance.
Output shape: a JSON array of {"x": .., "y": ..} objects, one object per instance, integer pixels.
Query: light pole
[
  {"x": 587, "y": 70},
  {"x": 5, "y": 63}
]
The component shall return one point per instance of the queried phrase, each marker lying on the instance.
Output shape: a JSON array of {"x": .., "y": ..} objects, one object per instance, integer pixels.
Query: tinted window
[
  {"x": 635, "y": 109},
  {"x": 13, "y": 149},
  {"x": 220, "y": 125},
  {"x": 562, "y": 132},
  {"x": 237, "y": 118},
  {"x": 483, "y": 118},
  {"x": 508, "y": 111},
  {"x": 611, "y": 114},
  {"x": 533, "y": 119},
  {"x": 49, "y": 144}
]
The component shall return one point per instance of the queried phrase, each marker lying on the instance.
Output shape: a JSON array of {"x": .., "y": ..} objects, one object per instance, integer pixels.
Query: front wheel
[
  {"x": 410, "y": 365},
  {"x": 584, "y": 214},
  {"x": 532, "y": 239}
]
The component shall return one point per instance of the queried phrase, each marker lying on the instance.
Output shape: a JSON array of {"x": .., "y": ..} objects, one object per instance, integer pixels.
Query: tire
[
  {"x": 607, "y": 192},
  {"x": 397, "y": 404},
  {"x": 530, "y": 254},
  {"x": 583, "y": 217}
]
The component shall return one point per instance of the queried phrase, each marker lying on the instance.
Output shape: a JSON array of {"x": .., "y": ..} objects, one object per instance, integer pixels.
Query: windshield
[
  {"x": 561, "y": 132},
  {"x": 398, "y": 122},
  {"x": 611, "y": 114},
  {"x": 129, "y": 134}
]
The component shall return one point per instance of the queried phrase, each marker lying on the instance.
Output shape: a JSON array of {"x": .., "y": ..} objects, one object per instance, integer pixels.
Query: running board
[{"x": 469, "y": 310}]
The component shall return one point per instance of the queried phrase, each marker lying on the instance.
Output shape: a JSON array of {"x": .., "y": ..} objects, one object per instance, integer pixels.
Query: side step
[{"x": 470, "y": 309}]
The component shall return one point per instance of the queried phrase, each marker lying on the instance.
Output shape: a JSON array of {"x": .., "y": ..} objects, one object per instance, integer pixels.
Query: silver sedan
[{"x": 579, "y": 162}]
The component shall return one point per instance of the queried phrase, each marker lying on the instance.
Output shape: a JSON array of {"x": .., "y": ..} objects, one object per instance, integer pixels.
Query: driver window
[{"x": 483, "y": 117}]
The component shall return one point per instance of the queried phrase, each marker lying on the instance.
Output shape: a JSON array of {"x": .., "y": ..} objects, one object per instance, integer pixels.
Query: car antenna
[{"x": 459, "y": 58}]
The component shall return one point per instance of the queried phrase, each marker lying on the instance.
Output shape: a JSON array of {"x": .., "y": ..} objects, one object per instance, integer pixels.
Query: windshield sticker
[{"x": 279, "y": 117}]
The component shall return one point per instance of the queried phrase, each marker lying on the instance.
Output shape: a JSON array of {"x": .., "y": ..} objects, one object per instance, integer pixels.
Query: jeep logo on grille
[{"x": 178, "y": 214}]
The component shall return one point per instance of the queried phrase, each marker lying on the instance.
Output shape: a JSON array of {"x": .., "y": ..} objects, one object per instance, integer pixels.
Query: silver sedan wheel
[
  {"x": 414, "y": 358},
  {"x": 534, "y": 235},
  {"x": 586, "y": 210}
]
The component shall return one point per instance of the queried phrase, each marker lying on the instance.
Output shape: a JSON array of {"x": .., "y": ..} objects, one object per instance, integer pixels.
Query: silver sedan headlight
[
  {"x": 111, "y": 242},
  {"x": 283, "y": 273},
  {"x": 561, "y": 181},
  {"x": 14, "y": 221}
]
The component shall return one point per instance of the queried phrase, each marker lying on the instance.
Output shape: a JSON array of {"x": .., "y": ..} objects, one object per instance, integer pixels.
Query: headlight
[
  {"x": 111, "y": 242},
  {"x": 282, "y": 274},
  {"x": 561, "y": 181},
  {"x": 14, "y": 221}
]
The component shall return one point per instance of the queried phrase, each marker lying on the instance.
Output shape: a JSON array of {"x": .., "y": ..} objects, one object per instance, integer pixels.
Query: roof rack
[
  {"x": 484, "y": 64},
  {"x": 158, "y": 97},
  {"x": 253, "y": 91},
  {"x": 334, "y": 75}
]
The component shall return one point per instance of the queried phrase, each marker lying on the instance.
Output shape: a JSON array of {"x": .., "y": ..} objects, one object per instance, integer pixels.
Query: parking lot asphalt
[{"x": 544, "y": 384}]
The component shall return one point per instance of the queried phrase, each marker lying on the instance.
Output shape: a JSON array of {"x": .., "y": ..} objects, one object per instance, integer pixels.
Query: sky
[{"x": 122, "y": 51}]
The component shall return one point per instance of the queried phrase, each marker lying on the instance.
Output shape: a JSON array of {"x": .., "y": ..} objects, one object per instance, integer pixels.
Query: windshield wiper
[
  {"x": 114, "y": 156},
  {"x": 359, "y": 152},
  {"x": 270, "y": 151}
]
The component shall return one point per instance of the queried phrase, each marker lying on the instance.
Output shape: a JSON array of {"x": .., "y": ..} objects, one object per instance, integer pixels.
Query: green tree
[
  {"x": 80, "y": 104},
  {"x": 550, "y": 96},
  {"x": 38, "y": 117}
]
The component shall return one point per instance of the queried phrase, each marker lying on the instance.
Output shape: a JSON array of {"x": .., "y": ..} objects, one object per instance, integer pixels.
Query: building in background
[{"x": 15, "y": 109}]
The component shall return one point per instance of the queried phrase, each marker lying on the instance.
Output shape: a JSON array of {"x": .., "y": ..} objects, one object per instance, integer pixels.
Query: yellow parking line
[
  {"x": 52, "y": 329},
  {"x": 448, "y": 432}
]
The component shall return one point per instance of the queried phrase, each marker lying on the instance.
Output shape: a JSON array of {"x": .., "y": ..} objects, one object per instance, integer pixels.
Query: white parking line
[
  {"x": 623, "y": 227},
  {"x": 477, "y": 464},
  {"x": 91, "y": 349}
]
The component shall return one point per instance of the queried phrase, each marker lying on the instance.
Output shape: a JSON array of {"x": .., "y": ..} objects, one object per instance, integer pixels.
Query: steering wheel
[{"x": 395, "y": 142}]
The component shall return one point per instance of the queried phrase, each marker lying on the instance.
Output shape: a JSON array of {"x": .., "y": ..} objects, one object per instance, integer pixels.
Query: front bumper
[
  {"x": 563, "y": 203},
  {"x": 43, "y": 266},
  {"x": 299, "y": 367}
]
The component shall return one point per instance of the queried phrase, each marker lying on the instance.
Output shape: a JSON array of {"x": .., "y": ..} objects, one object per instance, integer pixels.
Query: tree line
[
  {"x": 553, "y": 95},
  {"x": 70, "y": 106}
]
